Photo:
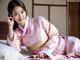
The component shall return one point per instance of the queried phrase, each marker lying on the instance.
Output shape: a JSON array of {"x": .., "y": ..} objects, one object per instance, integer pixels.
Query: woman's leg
[{"x": 72, "y": 46}]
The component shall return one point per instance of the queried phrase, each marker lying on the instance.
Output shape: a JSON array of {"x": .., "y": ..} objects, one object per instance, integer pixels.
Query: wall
[
  {"x": 73, "y": 0},
  {"x": 57, "y": 13},
  {"x": 74, "y": 19},
  {"x": 3, "y": 10}
]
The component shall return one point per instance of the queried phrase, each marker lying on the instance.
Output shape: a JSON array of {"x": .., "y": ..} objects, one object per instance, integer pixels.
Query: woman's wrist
[
  {"x": 10, "y": 33},
  {"x": 10, "y": 27}
]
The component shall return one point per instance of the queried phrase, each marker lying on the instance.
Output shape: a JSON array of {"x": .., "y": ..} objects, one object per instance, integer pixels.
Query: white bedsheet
[
  {"x": 12, "y": 54},
  {"x": 9, "y": 53}
]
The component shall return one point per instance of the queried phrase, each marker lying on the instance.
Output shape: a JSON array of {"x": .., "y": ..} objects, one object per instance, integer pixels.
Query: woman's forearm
[{"x": 10, "y": 33}]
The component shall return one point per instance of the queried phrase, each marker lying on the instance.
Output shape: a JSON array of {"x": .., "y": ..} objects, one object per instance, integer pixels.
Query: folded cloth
[
  {"x": 9, "y": 53},
  {"x": 3, "y": 41},
  {"x": 77, "y": 48},
  {"x": 27, "y": 58}
]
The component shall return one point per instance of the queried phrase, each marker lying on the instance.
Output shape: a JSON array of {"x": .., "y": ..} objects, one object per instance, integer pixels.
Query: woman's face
[{"x": 19, "y": 15}]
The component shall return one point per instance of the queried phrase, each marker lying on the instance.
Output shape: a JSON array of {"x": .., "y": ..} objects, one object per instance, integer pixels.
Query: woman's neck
[{"x": 22, "y": 24}]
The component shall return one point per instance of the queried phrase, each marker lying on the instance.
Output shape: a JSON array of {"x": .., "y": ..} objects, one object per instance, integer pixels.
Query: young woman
[{"x": 37, "y": 34}]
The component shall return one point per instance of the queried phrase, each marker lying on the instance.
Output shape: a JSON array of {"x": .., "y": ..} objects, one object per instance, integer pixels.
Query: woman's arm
[
  {"x": 10, "y": 33},
  {"x": 10, "y": 28},
  {"x": 52, "y": 34},
  {"x": 12, "y": 38},
  {"x": 14, "y": 41}
]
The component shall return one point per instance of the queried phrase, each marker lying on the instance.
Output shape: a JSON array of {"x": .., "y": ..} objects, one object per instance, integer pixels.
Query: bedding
[{"x": 9, "y": 53}]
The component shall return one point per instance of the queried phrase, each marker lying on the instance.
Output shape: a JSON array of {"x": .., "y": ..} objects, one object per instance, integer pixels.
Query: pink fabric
[{"x": 40, "y": 29}]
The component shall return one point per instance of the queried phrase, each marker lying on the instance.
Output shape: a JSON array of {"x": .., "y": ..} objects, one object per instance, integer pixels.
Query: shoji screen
[{"x": 53, "y": 10}]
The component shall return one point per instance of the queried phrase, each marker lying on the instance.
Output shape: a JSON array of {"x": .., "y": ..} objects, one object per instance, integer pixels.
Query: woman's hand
[
  {"x": 41, "y": 55},
  {"x": 10, "y": 22}
]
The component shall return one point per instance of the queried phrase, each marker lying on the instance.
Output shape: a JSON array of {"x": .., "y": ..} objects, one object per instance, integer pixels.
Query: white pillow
[{"x": 9, "y": 53}]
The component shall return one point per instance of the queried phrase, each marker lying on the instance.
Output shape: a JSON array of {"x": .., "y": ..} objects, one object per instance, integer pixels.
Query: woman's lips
[{"x": 20, "y": 19}]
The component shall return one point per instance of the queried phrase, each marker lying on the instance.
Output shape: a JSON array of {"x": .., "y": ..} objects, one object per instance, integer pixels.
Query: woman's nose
[{"x": 20, "y": 15}]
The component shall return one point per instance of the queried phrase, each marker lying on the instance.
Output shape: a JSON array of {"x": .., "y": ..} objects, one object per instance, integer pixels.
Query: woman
[{"x": 37, "y": 34}]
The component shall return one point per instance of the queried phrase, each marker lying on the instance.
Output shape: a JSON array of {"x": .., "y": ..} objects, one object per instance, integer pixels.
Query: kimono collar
[{"x": 25, "y": 29}]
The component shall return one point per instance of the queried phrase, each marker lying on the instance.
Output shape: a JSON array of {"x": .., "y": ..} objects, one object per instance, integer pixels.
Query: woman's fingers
[
  {"x": 41, "y": 55},
  {"x": 10, "y": 21}
]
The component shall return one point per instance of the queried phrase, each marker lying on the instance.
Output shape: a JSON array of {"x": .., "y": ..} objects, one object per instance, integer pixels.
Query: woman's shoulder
[{"x": 39, "y": 19}]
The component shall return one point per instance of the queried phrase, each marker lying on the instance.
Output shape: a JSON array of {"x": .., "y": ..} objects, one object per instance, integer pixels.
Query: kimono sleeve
[
  {"x": 14, "y": 42},
  {"x": 52, "y": 34}
]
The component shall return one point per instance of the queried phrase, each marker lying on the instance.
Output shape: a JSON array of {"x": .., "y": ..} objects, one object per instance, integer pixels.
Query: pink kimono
[{"x": 40, "y": 30}]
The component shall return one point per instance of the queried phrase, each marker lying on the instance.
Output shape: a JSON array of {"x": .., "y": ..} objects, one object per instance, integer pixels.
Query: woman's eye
[
  {"x": 16, "y": 14},
  {"x": 22, "y": 12}
]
